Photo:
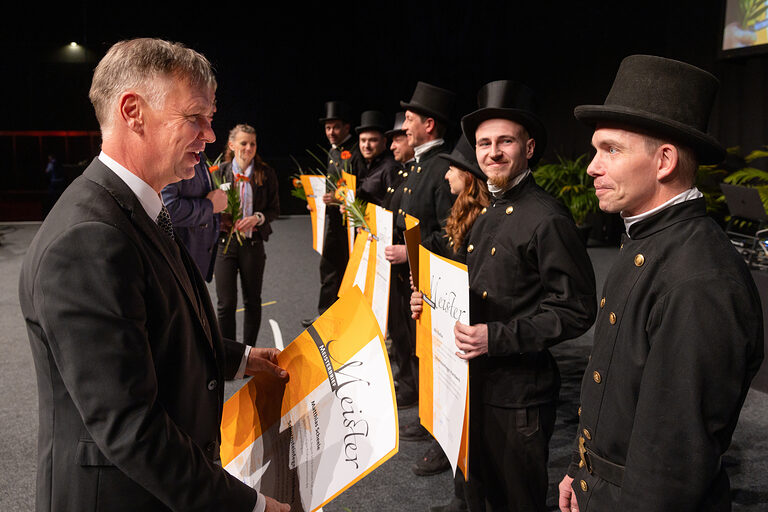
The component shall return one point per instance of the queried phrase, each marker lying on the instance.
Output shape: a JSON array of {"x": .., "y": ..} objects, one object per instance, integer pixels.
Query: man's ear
[
  {"x": 430, "y": 126},
  {"x": 530, "y": 146},
  {"x": 666, "y": 162},
  {"x": 131, "y": 111}
]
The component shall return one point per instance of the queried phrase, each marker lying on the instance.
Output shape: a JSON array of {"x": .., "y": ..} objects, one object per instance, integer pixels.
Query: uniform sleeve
[
  {"x": 568, "y": 305},
  {"x": 186, "y": 211},
  {"x": 95, "y": 319},
  {"x": 705, "y": 344}
]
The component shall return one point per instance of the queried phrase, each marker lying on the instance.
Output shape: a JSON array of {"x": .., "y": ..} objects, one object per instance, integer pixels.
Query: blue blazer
[{"x": 193, "y": 219}]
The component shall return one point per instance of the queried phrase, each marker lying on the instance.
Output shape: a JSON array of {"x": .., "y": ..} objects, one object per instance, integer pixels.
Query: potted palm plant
[{"x": 567, "y": 180}]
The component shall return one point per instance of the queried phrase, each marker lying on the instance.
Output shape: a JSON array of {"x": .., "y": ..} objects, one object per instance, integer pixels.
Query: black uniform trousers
[
  {"x": 402, "y": 330},
  {"x": 249, "y": 259},
  {"x": 508, "y": 460},
  {"x": 333, "y": 261}
]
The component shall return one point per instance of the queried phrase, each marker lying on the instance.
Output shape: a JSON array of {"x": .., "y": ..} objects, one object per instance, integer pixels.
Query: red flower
[
  {"x": 346, "y": 155},
  {"x": 213, "y": 168}
]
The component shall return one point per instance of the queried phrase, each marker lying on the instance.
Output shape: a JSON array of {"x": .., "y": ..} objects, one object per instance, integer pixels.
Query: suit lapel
[{"x": 124, "y": 196}]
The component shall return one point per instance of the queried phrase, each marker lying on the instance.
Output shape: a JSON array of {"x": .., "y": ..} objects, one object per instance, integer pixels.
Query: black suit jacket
[{"x": 130, "y": 364}]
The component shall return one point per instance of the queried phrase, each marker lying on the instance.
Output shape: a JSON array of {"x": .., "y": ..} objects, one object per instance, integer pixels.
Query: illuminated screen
[{"x": 745, "y": 25}]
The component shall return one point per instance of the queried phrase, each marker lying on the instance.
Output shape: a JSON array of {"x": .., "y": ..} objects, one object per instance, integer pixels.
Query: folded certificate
[
  {"x": 336, "y": 422},
  {"x": 314, "y": 188}
]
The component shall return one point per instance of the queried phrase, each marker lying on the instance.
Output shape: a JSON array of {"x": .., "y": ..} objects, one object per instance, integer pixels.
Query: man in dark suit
[
  {"x": 679, "y": 333},
  {"x": 531, "y": 286},
  {"x": 130, "y": 363},
  {"x": 194, "y": 205},
  {"x": 343, "y": 155}
]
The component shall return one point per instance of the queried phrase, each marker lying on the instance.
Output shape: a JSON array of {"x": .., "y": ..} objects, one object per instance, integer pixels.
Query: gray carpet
[{"x": 292, "y": 282}]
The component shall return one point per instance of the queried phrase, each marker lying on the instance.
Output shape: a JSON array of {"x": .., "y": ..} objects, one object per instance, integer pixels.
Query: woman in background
[{"x": 256, "y": 183}]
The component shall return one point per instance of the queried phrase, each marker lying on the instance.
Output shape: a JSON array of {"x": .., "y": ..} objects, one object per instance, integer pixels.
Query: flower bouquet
[{"x": 233, "y": 208}]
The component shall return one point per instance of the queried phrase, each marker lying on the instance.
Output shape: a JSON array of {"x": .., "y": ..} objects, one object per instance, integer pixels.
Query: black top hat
[
  {"x": 507, "y": 99},
  {"x": 398, "y": 128},
  {"x": 431, "y": 101},
  {"x": 463, "y": 156},
  {"x": 663, "y": 97},
  {"x": 337, "y": 110},
  {"x": 371, "y": 120}
]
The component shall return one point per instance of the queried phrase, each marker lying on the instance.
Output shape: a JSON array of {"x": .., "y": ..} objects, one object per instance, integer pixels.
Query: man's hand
[
  {"x": 472, "y": 339},
  {"x": 218, "y": 198},
  {"x": 247, "y": 223},
  {"x": 396, "y": 254},
  {"x": 328, "y": 198},
  {"x": 417, "y": 304},
  {"x": 264, "y": 360},
  {"x": 275, "y": 506},
  {"x": 567, "y": 501}
]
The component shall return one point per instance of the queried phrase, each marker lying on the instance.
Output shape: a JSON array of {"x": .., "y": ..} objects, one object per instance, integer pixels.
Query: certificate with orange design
[
  {"x": 336, "y": 422},
  {"x": 314, "y": 188},
  {"x": 443, "y": 376},
  {"x": 368, "y": 267}
]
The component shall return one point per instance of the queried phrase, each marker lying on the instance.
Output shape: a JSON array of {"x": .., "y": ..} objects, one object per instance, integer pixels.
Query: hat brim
[
  {"x": 529, "y": 120},
  {"x": 370, "y": 128},
  {"x": 421, "y": 109},
  {"x": 706, "y": 147},
  {"x": 323, "y": 120},
  {"x": 464, "y": 165},
  {"x": 393, "y": 133}
]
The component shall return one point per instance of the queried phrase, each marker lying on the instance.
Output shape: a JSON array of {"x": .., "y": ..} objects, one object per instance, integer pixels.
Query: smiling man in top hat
[
  {"x": 679, "y": 334},
  {"x": 378, "y": 172},
  {"x": 427, "y": 197},
  {"x": 337, "y": 122},
  {"x": 531, "y": 286}
]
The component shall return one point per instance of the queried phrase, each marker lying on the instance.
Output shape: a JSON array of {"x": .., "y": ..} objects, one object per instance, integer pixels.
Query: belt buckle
[{"x": 584, "y": 455}]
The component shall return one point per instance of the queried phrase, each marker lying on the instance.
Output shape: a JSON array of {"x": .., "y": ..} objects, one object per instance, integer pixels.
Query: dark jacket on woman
[{"x": 265, "y": 198}]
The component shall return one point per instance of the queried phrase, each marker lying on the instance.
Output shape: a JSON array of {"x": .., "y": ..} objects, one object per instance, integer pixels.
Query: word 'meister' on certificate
[
  {"x": 337, "y": 420},
  {"x": 443, "y": 376}
]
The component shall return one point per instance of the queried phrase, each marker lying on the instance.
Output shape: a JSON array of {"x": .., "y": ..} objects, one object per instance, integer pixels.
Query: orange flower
[
  {"x": 340, "y": 182},
  {"x": 241, "y": 177},
  {"x": 341, "y": 194},
  {"x": 213, "y": 168},
  {"x": 346, "y": 155},
  {"x": 296, "y": 183}
]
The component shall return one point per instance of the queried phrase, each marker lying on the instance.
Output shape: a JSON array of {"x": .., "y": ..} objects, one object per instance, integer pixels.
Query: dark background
[{"x": 278, "y": 62}]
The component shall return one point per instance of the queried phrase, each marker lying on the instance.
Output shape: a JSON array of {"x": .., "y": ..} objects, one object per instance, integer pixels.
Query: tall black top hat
[
  {"x": 431, "y": 101},
  {"x": 337, "y": 110},
  {"x": 463, "y": 156},
  {"x": 372, "y": 120},
  {"x": 664, "y": 97},
  {"x": 507, "y": 99},
  {"x": 398, "y": 128}
]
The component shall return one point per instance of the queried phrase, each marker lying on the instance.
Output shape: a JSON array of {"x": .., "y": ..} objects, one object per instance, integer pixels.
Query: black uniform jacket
[
  {"x": 265, "y": 199},
  {"x": 130, "y": 363},
  {"x": 426, "y": 194},
  {"x": 678, "y": 338},
  {"x": 532, "y": 283},
  {"x": 378, "y": 176}
]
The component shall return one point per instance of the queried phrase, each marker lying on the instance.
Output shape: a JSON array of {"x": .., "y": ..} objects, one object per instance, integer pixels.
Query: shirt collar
[
  {"x": 337, "y": 146},
  {"x": 691, "y": 193},
  {"x": 149, "y": 199},
  {"x": 420, "y": 150}
]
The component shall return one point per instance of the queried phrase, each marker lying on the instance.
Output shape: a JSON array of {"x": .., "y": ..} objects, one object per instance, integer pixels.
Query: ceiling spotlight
[{"x": 73, "y": 44}]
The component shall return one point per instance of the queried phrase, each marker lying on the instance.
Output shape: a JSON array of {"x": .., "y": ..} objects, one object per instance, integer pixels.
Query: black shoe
[
  {"x": 308, "y": 321},
  {"x": 455, "y": 505},
  {"x": 406, "y": 400},
  {"x": 413, "y": 432},
  {"x": 432, "y": 463}
]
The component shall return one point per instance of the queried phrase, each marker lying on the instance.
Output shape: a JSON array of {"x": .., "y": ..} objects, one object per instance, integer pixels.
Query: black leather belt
[{"x": 599, "y": 466}]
